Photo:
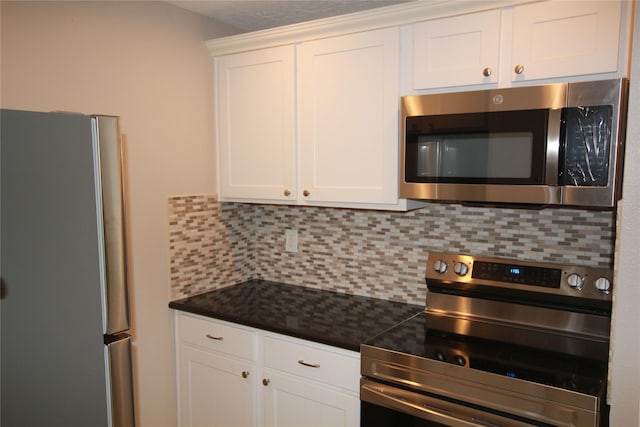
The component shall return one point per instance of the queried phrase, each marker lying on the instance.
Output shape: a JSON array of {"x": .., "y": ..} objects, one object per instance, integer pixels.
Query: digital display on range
[{"x": 513, "y": 273}]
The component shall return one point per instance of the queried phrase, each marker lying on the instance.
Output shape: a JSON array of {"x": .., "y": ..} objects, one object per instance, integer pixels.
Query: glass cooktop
[{"x": 580, "y": 373}]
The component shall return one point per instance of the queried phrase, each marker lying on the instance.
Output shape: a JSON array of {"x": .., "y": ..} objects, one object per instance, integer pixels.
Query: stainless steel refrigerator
[{"x": 64, "y": 308}]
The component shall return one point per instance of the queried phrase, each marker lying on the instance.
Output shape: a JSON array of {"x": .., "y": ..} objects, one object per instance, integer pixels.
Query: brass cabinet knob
[
  {"x": 306, "y": 193},
  {"x": 519, "y": 69},
  {"x": 265, "y": 381},
  {"x": 487, "y": 71},
  {"x": 287, "y": 193}
]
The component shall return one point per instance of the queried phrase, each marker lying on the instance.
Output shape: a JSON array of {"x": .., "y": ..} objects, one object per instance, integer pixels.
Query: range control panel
[
  {"x": 517, "y": 273},
  {"x": 559, "y": 279}
]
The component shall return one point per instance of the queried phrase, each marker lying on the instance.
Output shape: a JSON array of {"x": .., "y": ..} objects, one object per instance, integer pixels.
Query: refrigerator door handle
[
  {"x": 111, "y": 222},
  {"x": 120, "y": 381}
]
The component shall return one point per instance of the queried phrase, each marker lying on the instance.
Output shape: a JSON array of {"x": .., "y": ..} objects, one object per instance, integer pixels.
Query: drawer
[
  {"x": 217, "y": 336},
  {"x": 336, "y": 367}
]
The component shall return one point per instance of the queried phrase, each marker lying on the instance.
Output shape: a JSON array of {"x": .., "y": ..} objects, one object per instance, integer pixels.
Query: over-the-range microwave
[{"x": 556, "y": 144}]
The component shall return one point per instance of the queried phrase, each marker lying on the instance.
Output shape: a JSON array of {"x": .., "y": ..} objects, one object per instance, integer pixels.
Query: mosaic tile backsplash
[
  {"x": 373, "y": 253},
  {"x": 210, "y": 244}
]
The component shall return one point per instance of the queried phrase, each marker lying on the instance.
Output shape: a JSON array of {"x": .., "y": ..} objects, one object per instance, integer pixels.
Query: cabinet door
[
  {"x": 349, "y": 95},
  {"x": 457, "y": 51},
  {"x": 336, "y": 367},
  {"x": 215, "y": 391},
  {"x": 565, "y": 38},
  {"x": 255, "y": 100},
  {"x": 292, "y": 402}
]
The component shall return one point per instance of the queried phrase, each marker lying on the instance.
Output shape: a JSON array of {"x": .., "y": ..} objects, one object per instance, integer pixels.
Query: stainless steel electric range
[{"x": 500, "y": 343}]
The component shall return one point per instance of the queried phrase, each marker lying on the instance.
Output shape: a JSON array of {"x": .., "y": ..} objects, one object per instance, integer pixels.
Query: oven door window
[{"x": 477, "y": 148}]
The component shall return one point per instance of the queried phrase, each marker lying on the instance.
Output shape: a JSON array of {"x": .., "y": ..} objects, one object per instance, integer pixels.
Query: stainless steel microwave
[{"x": 556, "y": 144}]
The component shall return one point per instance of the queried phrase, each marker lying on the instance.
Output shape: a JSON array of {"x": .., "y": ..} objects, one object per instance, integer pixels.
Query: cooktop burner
[{"x": 580, "y": 373}]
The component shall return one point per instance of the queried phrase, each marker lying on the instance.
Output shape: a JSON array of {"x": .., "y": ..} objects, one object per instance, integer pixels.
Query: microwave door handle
[{"x": 553, "y": 159}]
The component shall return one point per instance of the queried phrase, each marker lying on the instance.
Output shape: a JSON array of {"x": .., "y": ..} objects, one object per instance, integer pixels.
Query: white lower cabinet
[
  {"x": 231, "y": 375},
  {"x": 291, "y": 401},
  {"x": 217, "y": 373},
  {"x": 309, "y": 385},
  {"x": 215, "y": 390}
]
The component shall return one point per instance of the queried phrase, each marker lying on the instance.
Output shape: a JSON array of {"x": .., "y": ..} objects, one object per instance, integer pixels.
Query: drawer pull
[
  {"x": 314, "y": 365},
  {"x": 211, "y": 337},
  {"x": 245, "y": 374}
]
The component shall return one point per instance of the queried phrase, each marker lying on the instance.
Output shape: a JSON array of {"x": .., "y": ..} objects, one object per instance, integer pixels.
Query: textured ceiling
[{"x": 252, "y": 15}]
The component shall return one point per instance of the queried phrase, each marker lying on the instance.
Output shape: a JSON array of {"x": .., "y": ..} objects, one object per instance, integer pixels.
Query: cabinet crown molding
[{"x": 400, "y": 14}]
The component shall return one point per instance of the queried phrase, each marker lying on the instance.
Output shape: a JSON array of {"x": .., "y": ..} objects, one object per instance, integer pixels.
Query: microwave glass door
[{"x": 488, "y": 148}]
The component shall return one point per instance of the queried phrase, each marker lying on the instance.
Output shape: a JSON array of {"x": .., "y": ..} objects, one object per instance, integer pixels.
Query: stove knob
[
  {"x": 460, "y": 268},
  {"x": 459, "y": 360},
  {"x": 603, "y": 285},
  {"x": 439, "y": 266},
  {"x": 439, "y": 355},
  {"x": 575, "y": 281}
]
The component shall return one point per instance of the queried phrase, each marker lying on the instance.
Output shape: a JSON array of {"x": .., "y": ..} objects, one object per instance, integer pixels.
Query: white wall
[
  {"x": 625, "y": 372},
  {"x": 146, "y": 62}
]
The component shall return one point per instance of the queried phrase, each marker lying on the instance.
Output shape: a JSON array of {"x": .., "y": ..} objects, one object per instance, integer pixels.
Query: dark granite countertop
[{"x": 322, "y": 316}]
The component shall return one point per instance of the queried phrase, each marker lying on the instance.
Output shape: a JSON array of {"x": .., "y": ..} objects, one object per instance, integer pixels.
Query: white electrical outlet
[{"x": 291, "y": 240}]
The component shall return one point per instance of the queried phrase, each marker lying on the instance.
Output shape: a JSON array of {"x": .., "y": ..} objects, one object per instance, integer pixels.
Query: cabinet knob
[
  {"x": 487, "y": 71},
  {"x": 245, "y": 374},
  {"x": 287, "y": 193},
  {"x": 265, "y": 381},
  {"x": 306, "y": 193},
  {"x": 519, "y": 69}
]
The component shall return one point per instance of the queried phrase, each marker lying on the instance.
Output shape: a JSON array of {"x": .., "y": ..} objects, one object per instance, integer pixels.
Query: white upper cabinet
[
  {"x": 349, "y": 92},
  {"x": 548, "y": 40},
  {"x": 565, "y": 38},
  {"x": 458, "y": 51},
  {"x": 321, "y": 131},
  {"x": 308, "y": 114},
  {"x": 255, "y": 108}
]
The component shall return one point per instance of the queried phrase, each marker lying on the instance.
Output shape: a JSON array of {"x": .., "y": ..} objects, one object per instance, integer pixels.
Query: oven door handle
[{"x": 432, "y": 409}]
